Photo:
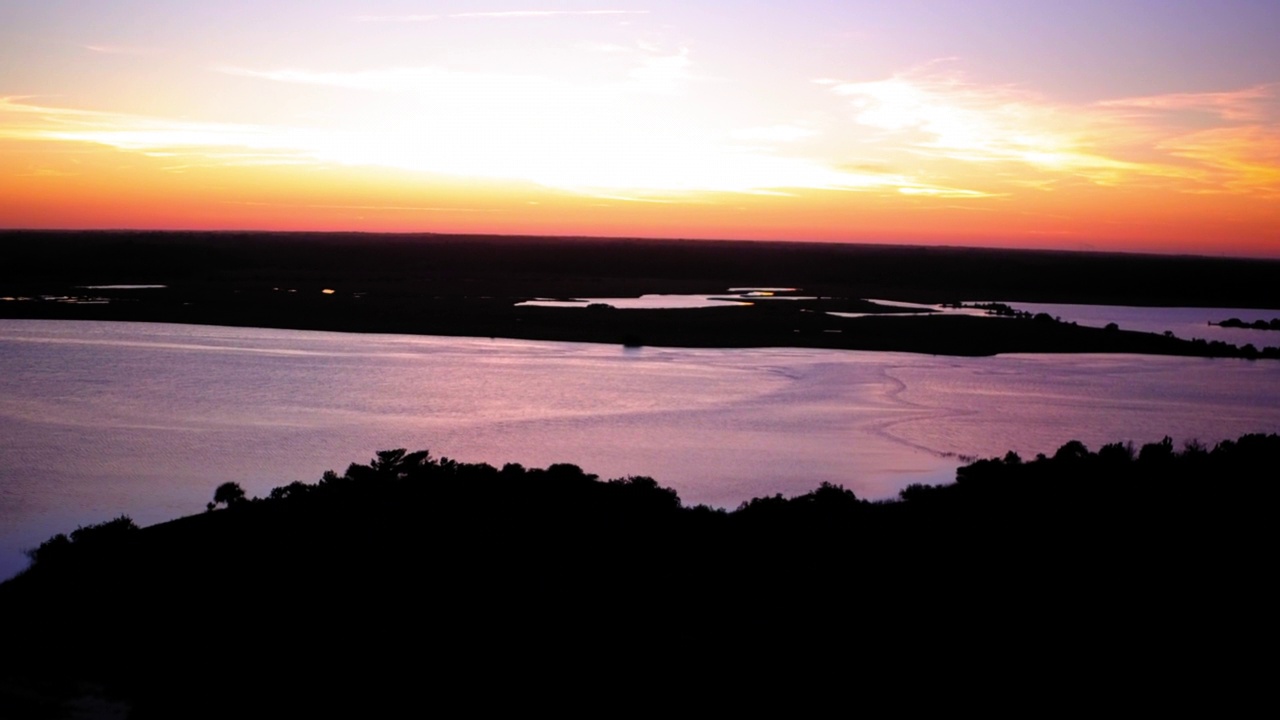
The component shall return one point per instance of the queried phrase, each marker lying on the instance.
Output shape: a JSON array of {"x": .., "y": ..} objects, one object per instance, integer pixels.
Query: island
[{"x": 480, "y": 286}]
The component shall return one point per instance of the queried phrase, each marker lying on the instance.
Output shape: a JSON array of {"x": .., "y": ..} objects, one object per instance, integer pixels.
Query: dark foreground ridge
[
  {"x": 470, "y": 286},
  {"x": 414, "y": 580}
]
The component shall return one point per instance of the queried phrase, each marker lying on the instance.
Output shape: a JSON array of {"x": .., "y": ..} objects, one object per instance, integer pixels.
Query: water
[
  {"x": 1187, "y": 323},
  {"x": 644, "y": 302},
  {"x": 99, "y": 419},
  {"x": 740, "y": 297}
]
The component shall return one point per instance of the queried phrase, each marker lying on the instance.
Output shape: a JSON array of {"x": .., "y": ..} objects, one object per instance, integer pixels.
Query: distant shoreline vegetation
[
  {"x": 837, "y": 323},
  {"x": 1273, "y": 324},
  {"x": 476, "y": 286}
]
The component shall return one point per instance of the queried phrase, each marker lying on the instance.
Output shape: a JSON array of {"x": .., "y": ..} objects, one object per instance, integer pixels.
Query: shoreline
[
  {"x": 469, "y": 286},
  {"x": 775, "y": 324}
]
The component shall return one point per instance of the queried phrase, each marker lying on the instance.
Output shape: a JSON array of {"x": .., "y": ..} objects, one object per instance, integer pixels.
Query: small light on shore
[{"x": 327, "y": 291}]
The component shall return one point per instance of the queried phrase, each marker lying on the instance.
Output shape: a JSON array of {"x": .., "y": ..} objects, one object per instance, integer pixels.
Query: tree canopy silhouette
[{"x": 228, "y": 493}]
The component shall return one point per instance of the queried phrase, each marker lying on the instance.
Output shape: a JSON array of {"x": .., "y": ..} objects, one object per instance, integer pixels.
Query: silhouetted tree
[
  {"x": 293, "y": 489},
  {"x": 1116, "y": 453},
  {"x": 643, "y": 492},
  {"x": 228, "y": 493},
  {"x": 51, "y": 550},
  {"x": 1073, "y": 450},
  {"x": 1156, "y": 453}
]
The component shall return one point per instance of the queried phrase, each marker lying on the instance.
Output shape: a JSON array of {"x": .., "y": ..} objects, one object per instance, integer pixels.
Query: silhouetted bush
[{"x": 111, "y": 531}]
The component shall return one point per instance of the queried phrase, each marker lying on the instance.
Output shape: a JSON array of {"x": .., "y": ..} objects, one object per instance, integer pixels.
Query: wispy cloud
[
  {"x": 945, "y": 116},
  {"x": 14, "y": 105},
  {"x": 397, "y": 18},
  {"x": 1244, "y": 105},
  {"x": 944, "y": 192},
  {"x": 917, "y": 134},
  {"x": 44, "y": 172},
  {"x": 1222, "y": 142},
  {"x": 498, "y": 15},
  {"x": 1233, "y": 160},
  {"x": 567, "y": 152},
  {"x": 645, "y": 73},
  {"x": 942, "y": 117},
  {"x": 157, "y": 137},
  {"x": 545, "y": 13},
  {"x": 373, "y": 208},
  {"x": 663, "y": 71},
  {"x": 390, "y": 79},
  {"x": 774, "y": 134},
  {"x": 123, "y": 49}
]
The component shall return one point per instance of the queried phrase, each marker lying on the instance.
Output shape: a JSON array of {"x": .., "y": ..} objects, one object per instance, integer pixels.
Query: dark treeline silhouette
[
  {"x": 472, "y": 286},
  {"x": 415, "y": 579},
  {"x": 602, "y": 267},
  {"x": 1272, "y": 324}
]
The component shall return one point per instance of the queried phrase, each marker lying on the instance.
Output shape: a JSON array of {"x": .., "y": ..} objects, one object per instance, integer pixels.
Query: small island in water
[{"x": 412, "y": 575}]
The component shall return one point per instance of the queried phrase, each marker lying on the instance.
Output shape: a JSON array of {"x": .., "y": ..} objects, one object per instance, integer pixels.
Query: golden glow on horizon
[{"x": 641, "y": 137}]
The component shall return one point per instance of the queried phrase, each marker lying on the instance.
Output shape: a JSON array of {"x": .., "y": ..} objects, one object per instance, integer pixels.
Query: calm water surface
[
  {"x": 99, "y": 419},
  {"x": 1187, "y": 323}
]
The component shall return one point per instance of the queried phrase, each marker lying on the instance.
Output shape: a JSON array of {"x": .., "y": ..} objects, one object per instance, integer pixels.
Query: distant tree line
[{"x": 1273, "y": 324}]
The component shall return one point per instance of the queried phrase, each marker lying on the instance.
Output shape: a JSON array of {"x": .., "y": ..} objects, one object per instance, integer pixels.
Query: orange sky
[{"x": 1126, "y": 125}]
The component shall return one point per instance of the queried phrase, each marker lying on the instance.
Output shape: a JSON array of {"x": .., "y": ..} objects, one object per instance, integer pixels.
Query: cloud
[
  {"x": 397, "y": 18},
  {"x": 18, "y": 105},
  {"x": 545, "y": 13},
  {"x": 647, "y": 73},
  {"x": 774, "y": 134},
  {"x": 122, "y": 50},
  {"x": 1233, "y": 159},
  {"x": 47, "y": 173},
  {"x": 608, "y": 48},
  {"x": 944, "y": 192},
  {"x": 566, "y": 151},
  {"x": 375, "y": 208},
  {"x": 1243, "y": 105},
  {"x": 663, "y": 71},
  {"x": 156, "y": 137},
  {"x": 963, "y": 129},
  {"x": 498, "y": 15},
  {"x": 1225, "y": 142},
  {"x": 388, "y": 79},
  {"x": 945, "y": 116},
  {"x": 925, "y": 135}
]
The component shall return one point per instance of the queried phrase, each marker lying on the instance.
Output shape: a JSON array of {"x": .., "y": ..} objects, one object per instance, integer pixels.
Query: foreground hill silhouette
[{"x": 413, "y": 581}]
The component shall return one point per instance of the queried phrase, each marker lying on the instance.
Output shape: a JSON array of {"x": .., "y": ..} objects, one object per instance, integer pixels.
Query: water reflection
[
  {"x": 99, "y": 419},
  {"x": 1187, "y": 323},
  {"x": 734, "y": 296},
  {"x": 644, "y": 302}
]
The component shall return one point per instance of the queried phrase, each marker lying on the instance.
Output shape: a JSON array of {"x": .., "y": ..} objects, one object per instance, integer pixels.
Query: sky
[{"x": 1130, "y": 125}]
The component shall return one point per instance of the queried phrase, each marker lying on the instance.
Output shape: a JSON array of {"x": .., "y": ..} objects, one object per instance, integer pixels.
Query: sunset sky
[{"x": 1143, "y": 125}]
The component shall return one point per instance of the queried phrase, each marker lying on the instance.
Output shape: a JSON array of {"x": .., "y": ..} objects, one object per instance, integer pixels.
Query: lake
[{"x": 99, "y": 419}]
